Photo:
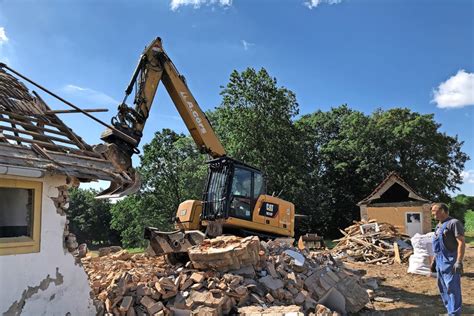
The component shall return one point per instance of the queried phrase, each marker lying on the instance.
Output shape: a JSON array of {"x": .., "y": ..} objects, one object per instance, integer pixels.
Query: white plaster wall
[{"x": 19, "y": 272}]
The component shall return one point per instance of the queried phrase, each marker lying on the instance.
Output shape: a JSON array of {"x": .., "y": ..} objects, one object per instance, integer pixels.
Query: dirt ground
[{"x": 414, "y": 294}]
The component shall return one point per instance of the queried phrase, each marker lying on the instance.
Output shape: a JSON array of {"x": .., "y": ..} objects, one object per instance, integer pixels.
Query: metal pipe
[{"x": 75, "y": 111}]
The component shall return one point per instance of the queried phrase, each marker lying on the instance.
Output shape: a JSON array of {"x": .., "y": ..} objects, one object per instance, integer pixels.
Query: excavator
[{"x": 234, "y": 200}]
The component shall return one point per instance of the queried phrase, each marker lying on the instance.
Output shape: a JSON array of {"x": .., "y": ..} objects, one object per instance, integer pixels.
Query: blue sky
[{"x": 369, "y": 54}]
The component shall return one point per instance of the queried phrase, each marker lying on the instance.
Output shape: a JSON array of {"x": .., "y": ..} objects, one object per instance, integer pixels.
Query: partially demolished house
[
  {"x": 393, "y": 201},
  {"x": 40, "y": 157}
]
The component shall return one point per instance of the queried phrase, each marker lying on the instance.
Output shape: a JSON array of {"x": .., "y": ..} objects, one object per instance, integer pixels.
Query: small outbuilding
[
  {"x": 40, "y": 158},
  {"x": 394, "y": 201}
]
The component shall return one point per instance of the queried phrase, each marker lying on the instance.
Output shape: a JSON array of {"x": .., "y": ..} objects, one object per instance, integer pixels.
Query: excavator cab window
[
  {"x": 247, "y": 185},
  {"x": 258, "y": 185},
  {"x": 241, "y": 194},
  {"x": 232, "y": 190},
  {"x": 242, "y": 183}
]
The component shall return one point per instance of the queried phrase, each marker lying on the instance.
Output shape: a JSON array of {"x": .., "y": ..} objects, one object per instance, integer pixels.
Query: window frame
[{"x": 22, "y": 245}]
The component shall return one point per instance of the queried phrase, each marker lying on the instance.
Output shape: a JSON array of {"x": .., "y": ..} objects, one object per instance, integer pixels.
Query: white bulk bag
[{"x": 420, "y": 262}]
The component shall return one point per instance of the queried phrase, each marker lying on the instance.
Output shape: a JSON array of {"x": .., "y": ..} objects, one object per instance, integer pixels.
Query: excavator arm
[{"x": 154, "y": 66}]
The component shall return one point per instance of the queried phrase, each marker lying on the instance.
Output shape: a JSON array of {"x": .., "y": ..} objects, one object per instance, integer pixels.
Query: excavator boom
[{"x": 154, "y": 66}]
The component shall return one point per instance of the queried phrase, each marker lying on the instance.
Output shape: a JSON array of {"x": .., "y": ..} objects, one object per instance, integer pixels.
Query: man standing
[{"x": 448, "y": 247}]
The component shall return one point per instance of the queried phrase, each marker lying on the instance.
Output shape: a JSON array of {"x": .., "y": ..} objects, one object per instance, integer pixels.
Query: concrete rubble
[{"x": 226, "y": 275}]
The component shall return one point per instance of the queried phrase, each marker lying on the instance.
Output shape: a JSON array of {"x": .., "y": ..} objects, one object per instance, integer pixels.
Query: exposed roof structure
[
  {"x": 33, "y": 136},
  {"x": 392, "y": 179}
]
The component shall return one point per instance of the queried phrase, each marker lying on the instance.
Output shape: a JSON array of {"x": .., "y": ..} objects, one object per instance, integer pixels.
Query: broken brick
[
  {"x": 197, "y": 277},
  {"x": 126, "y": 303}
]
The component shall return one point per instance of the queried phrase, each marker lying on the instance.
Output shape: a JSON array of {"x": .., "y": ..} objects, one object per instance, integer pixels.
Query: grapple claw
[{"x": 118, "y": 190}]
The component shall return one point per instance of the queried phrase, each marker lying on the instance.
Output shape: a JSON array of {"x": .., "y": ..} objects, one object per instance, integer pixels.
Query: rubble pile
[
  {"x": 225, "y": 253},
  {"x": 372, "y": 242},
  {"x": 250, "y": 276}
]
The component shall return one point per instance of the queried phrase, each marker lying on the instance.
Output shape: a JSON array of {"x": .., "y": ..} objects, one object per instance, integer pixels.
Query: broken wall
[{"x": 49, "y": 282}]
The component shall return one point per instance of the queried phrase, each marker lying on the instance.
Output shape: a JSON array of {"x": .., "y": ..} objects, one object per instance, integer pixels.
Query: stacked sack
[{"x": 420, "y": 261}]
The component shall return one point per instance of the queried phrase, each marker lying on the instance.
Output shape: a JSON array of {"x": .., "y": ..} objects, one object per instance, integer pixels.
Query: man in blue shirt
[{"x": 448, "y": 246}]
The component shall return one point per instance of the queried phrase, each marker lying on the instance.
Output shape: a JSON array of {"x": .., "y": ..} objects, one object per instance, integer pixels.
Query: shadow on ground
[{"x": 420, "y": 304}]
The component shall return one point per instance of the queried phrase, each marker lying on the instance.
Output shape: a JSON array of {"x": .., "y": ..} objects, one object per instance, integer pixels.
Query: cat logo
[{"x": 268, "y": 210}]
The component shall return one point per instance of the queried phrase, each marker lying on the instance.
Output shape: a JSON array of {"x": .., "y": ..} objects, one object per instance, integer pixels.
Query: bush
[{"x": 469, "y": 221}]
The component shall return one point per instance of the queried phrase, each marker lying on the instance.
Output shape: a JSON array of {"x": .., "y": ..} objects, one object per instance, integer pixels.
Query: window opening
[{"x": 16, "y": 212}]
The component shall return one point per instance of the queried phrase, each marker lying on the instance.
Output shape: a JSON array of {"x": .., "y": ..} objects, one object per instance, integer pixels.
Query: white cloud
[
  {"x": 175, "y": 4},
  {"x": 456, "y": 92},
  {"x": 314, "y": 3},
  {"x": 5, "y": 47},
  {"x": 89, "y": 97},
  {"x": 3, "y": 36},
  {"x": 468, "y": 176},
  {"x": 247, "y": 45}
]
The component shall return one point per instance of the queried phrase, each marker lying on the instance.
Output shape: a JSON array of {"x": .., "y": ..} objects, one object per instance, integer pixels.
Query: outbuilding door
[{"x": 413, "y": 223}]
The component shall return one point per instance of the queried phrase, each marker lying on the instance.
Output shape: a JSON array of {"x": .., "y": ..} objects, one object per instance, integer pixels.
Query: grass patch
[
  {"x": 469, "y": 221},
  {"x": 470, "y": 238},
  {"x": 135, "y": 250},
  {"x": 469, "y": 227},
  {"x": 95, "y": 253}
]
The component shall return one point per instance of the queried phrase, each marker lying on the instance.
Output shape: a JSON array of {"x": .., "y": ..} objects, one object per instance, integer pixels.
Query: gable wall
[{"x": 48, "y": 282}]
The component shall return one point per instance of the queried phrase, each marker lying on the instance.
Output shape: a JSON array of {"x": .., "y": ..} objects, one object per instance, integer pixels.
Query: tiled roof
[{"x": 32, "y": 135}]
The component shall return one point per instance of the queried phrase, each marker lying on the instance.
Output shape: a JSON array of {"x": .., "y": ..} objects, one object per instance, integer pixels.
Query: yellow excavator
[{"x": 234, "y": 200}]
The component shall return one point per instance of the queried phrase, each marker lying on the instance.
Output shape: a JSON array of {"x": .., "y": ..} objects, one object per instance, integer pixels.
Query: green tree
[
  {"x": 90, "y": 218},
  {"x": 132, "y": 214},
  {"x": 349, "y": 153},
  {"x": 460, "y": 205},
  {"x": 172, "y": 171},
  {"x": 429, "y": 160},
  {"x": 334, "y": 143},
  {"x": 255, "y": 124}
]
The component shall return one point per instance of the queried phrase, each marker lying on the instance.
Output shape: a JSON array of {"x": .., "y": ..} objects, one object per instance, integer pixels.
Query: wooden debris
[
  {"x": 396, "y": 250},
  {"x": 380, "y": 247}
]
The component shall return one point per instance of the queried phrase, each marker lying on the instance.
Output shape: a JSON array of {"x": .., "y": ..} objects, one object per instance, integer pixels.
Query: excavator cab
[
  {"x": 234, "y": 202},
  {"x": 232, "y": 190}
]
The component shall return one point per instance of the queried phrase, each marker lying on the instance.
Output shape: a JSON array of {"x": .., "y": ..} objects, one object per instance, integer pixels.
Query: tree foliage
[
  {"x": 332, "y": 144},
  {"x": 255, "y": 124},
  {"x": 349, "y": 153},
  {"x": 428, "y": 159},
  {"x": 90, "y": 218},
  {"x": 172, "y": 171},
  {"x": 460, "y": 206}
]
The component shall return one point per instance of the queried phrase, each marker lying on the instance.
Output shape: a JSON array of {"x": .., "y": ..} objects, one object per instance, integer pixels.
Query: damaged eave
[
  {"x": 58, "y": 163},
  {"x": 35, "y": 141},
  {"x": 386, "y": 184}
]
